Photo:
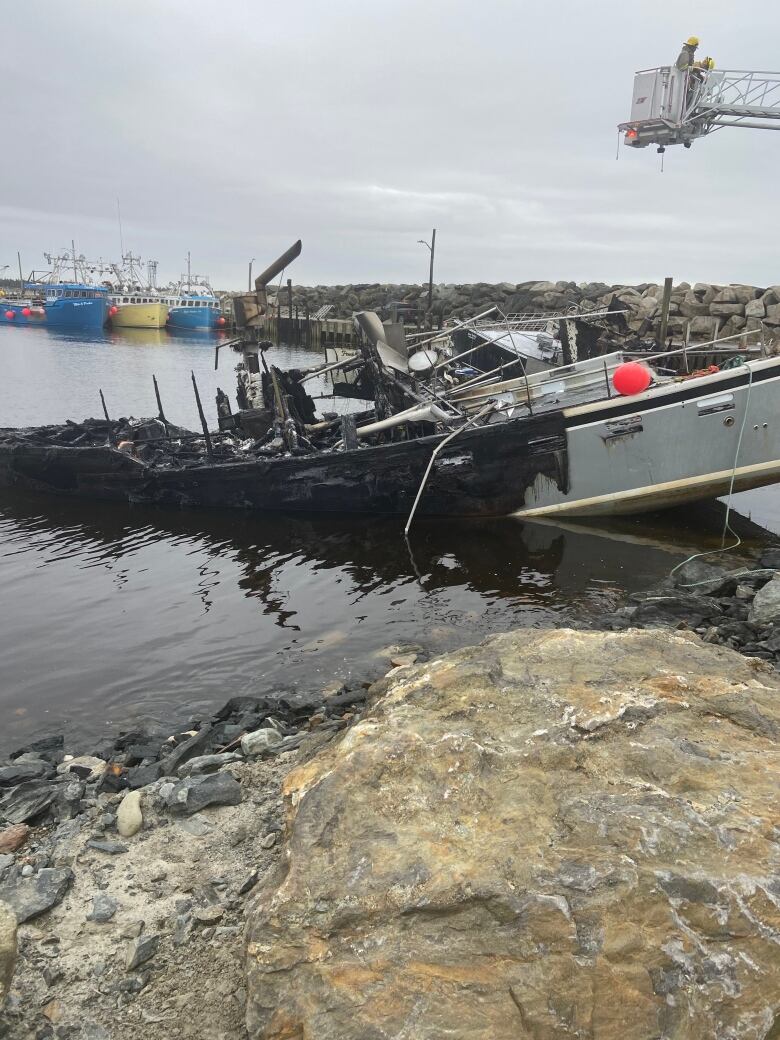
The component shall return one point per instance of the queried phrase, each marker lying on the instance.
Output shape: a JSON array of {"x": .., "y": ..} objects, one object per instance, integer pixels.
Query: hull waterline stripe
[{"x": 671, "y": 491}]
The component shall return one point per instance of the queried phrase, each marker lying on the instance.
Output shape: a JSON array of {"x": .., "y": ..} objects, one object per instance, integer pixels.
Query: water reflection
[{"x": 115, "y": 613}]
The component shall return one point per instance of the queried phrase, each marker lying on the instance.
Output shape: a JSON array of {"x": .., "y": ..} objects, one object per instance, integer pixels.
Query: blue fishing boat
[
  {"x": 192, "y": 304},
  {"x": 59, "y": 305},
  {"x": 56, "y": 302}
]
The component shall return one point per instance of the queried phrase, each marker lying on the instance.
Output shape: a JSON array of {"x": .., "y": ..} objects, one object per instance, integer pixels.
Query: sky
[{"x": 233, "y": 129}]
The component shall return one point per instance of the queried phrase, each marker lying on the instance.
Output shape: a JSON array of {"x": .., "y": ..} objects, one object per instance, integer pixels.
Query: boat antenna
[
  {"x": 189, "y": 273},
  {"x": 73, "y": 247},
  {"x": 119, "y": 218},
  {"x": 21, "y": 279}
]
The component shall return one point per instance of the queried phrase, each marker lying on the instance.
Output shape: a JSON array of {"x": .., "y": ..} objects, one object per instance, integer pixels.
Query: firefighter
[{"x": 688, "y": 53}]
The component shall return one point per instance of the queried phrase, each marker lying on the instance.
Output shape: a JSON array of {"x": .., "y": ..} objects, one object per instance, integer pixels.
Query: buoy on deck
[
  {"x": 631, "y": 378},
  {"x": 10, "y": 315}
]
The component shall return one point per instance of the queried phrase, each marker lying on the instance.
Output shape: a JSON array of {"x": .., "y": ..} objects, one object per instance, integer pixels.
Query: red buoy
[
  {"x": 10, "y": 315},
  {"x": 631, "y": 378},
  {"x": 112, "y": 310},
  {"x": 26, "y": 312},
  {"x": 220, "y": 320}
]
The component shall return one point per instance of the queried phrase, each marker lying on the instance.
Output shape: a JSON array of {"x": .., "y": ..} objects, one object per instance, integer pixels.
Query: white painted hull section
[{"x": 669, "y": 454}]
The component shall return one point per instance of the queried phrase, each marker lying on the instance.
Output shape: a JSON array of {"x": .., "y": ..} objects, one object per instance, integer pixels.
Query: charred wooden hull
[{"x": 482, "y": 472}]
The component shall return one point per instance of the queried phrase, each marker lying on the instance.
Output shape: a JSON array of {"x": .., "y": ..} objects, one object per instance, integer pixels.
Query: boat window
[{"x": 68, "y": 292}]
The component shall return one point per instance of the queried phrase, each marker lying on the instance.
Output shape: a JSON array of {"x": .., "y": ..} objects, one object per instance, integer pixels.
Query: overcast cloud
[{"x": 232, "y": 129}]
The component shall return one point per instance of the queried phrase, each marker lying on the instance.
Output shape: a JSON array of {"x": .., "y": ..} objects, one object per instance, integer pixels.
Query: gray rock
[
  {"x": 196, "y": 792},
  {"x": 22, "y": 771},
  {"x": 134, "y": 983},
  {"x": 67, "y": 802},
  {"x": 249, "y": 883},
  {"x": 6, "y": 860},
  {"x": 182, "y": 929},
  {"x": 196, "y": 826},
  {"x": 771, "y": 558},
  {"x": 62, "y": 842},
  {"x": 111, "y": 848},
  {"x": 140, "y": 950},
  {"x": 29, "y": 897},
  {"x": 208, "y": 763},
  {"x": 49, "y": 748},
  {"x": 27, "y": 801},
  {"x": 103, "y": 909},
  {"x": 190, "y": 748},
  {"x": 269, "y": 840},
  {"x": 259, "y": 741},
  {"x": 766, "y": 605},
  {"x": 93, "y": 1031},
  {"x": 7, "y": 950}
]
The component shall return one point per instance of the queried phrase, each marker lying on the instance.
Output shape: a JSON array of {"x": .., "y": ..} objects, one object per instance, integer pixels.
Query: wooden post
[
  {"x": 108, "y": 421},
  {"x": 160, "y": 412},
  {"x": 203, "y": 423},
  {"x": 289, "y": 312},
  {"x": 665, "y": 301}
]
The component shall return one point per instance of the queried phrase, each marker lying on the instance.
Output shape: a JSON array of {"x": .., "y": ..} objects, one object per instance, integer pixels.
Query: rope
[
  {"x": 484, "y": 411},
  {"x": 727, "y": 529}
]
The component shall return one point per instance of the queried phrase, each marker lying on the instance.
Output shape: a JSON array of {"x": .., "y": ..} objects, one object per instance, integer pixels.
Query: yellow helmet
[{"x": 692, "y": 41}]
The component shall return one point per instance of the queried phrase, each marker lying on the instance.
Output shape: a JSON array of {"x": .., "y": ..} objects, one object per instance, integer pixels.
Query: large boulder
[
  {"x": 7, "y": 949},
  {"x": 725, "y": 309},
  {"x": 554, "y": 834},
  {"x": 692, "y": 308}
]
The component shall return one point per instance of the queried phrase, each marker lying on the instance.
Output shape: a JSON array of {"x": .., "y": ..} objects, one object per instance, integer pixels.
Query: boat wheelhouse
[{"x": 193, "y": 305}]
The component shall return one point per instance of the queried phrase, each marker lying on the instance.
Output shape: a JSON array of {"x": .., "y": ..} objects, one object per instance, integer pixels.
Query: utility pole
[
  {"x": 431, "y": 247},
  {"x": 250, "y": 272}
]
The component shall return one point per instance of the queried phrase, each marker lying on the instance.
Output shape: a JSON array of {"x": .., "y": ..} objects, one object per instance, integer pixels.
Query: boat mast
[
  {"x": 189, "y": 273},
  {"x": 21, "y": 279},
  {"x": 73, "y": 247},
  {"x": 121, "y": 240}
]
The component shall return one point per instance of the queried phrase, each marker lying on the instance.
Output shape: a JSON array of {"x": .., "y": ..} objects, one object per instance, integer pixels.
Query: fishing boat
[
  {"x": 135, "y": 301},
  {"x": 580, "y": 454},
  {"x": 51, "y": 299},
  {"x": 193, "y": 305},
  {"x": 432, "y": 442}
]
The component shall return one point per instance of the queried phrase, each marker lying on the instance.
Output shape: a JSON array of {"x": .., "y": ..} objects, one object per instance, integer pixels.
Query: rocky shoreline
[
  {"x": 726, "y": 604},
  {"x": 125, "y": 873},
  {"x": 563, "y": 832}
]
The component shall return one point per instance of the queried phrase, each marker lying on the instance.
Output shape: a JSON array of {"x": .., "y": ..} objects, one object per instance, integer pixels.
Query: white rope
[
  {"x": 488, "y": 408},
  {"x": 726, "y": 527}
]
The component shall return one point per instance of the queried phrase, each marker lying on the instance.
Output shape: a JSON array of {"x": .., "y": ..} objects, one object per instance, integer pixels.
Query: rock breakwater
[{"x": 702, "y": 309}]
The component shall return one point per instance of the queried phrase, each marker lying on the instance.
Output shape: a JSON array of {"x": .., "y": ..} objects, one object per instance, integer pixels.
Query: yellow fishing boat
[{"x": 137, "y": 311}]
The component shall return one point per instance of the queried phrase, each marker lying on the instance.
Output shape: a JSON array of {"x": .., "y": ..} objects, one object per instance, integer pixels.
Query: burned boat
[{"x": 432, "y": 441}]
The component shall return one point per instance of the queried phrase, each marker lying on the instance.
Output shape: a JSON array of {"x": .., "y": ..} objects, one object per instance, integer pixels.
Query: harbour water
[{"x": 113, "y": 615}]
